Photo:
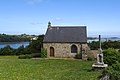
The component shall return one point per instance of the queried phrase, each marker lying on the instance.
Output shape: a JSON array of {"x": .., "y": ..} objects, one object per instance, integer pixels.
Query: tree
[
  {"x": 7, "y": 50},
  {"x": 105, "y": 45},
  {"x": 13, "y": 38},
  {"x": 36, "y": 45},
  {"x": 20, "y": 50},
  {"x": 94, "y": 45}
]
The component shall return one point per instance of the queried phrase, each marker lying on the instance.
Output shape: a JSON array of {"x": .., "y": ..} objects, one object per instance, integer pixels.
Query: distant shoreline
[
  {"x": 14, "y": 45},
  {"x": 11, "y": 42}
]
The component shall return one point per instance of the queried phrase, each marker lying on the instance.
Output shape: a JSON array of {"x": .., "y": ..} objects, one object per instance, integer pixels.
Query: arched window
[{"x": 73, "y": 49}]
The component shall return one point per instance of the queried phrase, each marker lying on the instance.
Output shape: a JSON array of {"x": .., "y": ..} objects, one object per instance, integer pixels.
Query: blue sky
[{"x": 31, "y": 16}]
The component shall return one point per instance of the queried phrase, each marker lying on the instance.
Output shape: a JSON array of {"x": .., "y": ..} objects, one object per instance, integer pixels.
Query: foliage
[
  {"x": 6, "y": 50},
  {"x": 36, "y": 55},
  {"x": 78, "y": 56},
  {"x": 111, "y": 44},
  {"x": 111, "y": 56},
  {"x": 90, "y": 59},
  {"x": 113, "y": 71},
  {"x": 26, "y": 56},
  {"x": 105, "y": 45},
  {"x": 94, "y": 45},
  {"x": 10, "y": 51},
  {"x": 35, "y": 46},
  {"x": 20, "y": 50},
  {"x": 46, "y": 69},
  {"x": 43, "y": 53},
  {"x": 13, "y": 38}
]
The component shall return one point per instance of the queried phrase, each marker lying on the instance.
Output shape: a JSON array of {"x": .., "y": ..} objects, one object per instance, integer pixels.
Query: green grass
[
  {"x": 8, "y": 57},
  {"x": 45, "y": 69}
]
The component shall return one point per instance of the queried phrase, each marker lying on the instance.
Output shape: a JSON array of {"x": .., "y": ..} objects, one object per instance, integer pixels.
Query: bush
[
  {"x": 113, "y": 71},
  {"x": 111, "y": 56},
  {"x": 35, "y": 55},
  {"x": 43, "y": 53},
  {"x": 94, "y": 45},
  {"x": 78, "y": 56},
  {"x": 25, "y": 56},
  {"x": 19, "y": 51},
  {"x": 7, "y": 50},
  {"x": 105, "y": 45},
  {"x": 90, "y": 59}
]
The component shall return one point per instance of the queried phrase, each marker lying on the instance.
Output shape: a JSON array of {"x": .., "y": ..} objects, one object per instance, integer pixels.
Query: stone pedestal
[
  {"x": 97, "y": 66},
  {"x": 100, "y": 64},
  {"x": 100, "y": 57}
]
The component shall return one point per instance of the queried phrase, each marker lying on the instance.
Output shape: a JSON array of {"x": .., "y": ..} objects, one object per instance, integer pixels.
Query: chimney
[{"x": 49, "y": 24}]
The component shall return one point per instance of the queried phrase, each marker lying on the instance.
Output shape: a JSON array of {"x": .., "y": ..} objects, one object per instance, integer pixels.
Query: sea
[
  {"x": 14, "y": 45},
  {"x": 103, "y": 40}
]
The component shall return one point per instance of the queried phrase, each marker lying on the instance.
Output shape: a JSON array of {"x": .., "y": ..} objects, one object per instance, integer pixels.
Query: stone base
[{"x": 97, "y": 66}]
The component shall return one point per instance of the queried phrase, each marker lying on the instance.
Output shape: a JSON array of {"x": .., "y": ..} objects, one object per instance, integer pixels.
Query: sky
[{"x": 32, "y": 16}]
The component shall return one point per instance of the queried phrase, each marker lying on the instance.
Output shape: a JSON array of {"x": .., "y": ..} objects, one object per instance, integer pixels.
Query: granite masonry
[{"x": 66, "y": 41}]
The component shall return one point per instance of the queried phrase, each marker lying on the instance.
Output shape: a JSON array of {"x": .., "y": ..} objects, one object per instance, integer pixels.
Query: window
[{"x": 73, "y": 49}]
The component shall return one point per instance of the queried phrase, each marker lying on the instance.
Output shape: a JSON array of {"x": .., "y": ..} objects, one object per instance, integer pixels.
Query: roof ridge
[{"x": 68, "y": 26}]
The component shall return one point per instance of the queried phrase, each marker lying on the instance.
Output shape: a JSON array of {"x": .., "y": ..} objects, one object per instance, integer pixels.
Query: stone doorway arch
[{"x": 52, "y": 52}]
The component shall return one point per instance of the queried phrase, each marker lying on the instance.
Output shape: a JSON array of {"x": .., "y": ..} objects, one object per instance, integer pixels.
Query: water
[
  {"x": 14, "y": 45},
  {"x": 104, "y": 39},
  {"x": 90, "y": 41}
]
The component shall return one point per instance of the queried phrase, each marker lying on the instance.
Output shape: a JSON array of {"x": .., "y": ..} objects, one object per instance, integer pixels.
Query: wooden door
[{"x": 51, "y": 52}]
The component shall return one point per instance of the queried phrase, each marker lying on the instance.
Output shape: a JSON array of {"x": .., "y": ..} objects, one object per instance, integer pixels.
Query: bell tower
[{"x": 49, "y": 24}]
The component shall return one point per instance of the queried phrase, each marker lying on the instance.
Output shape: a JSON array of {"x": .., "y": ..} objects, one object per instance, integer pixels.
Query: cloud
[
  {"x": 32, "y": 2},
  {"x": 58, "y": 18}
]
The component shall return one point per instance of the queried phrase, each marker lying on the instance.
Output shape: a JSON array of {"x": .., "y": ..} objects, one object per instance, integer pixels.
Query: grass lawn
[
  {"x": 8, "y": 57},
  {"x": 45, "y": 69}
]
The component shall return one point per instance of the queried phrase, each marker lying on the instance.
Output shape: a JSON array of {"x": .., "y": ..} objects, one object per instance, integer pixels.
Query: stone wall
[{"x": 64, "y": 49}]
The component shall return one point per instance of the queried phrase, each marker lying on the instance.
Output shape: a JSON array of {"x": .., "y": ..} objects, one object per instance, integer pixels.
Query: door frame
[{"x": 52, "y": 52}]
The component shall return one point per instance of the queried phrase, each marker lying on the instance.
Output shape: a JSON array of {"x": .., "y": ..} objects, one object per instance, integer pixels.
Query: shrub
[
  {"x": 7, "y": 50},
  {"x": 25, "y": 56},
  {"x": 35, "y": 55},
  {"x": 78, "y": 56},
  {"x": 43, "y": 53},
  {"x": 90, "y": 59},
  {"x": 113, "y": 71},
  {"x": 105, "y": 45},
  {"x": 111, "y": 56},
  {"x": 19, "y": 51},
  {"x": 94, "y": 45}
]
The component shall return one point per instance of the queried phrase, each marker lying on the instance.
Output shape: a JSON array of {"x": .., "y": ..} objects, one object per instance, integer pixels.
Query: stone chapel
[{"x": 66, "y": 41}]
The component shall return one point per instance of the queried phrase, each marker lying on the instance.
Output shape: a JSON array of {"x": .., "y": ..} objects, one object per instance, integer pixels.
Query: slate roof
[{"x": 66, "y": 34}]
